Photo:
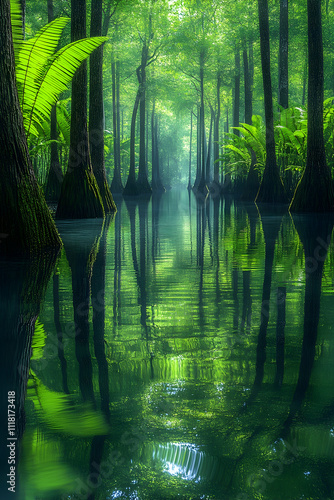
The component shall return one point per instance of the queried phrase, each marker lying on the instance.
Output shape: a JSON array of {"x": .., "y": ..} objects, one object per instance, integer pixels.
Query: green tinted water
[{"x": 161, "y": 379}]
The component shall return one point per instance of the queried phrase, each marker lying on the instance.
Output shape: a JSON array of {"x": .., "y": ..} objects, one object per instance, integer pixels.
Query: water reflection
[{"x": 170, "y": 379}]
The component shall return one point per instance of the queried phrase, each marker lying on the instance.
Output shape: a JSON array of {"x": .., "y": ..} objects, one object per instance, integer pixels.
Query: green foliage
[{"x": 43, "y": 74}]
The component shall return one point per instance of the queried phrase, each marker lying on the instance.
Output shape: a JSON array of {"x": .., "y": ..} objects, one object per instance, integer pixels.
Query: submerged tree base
[
  {"x": 130, "y": 188},
  {"x": 116, "y": 186},
  {"x": 252, "y": 185},
  {"x": 271, "y": 189},
  {"x": 106, "y": 196},
  {"x": 314, "y": 192},
  {"x": 80, "y": 196},
  {"x": 53, "y": 184},
  {"x": 143, "y": 186}
]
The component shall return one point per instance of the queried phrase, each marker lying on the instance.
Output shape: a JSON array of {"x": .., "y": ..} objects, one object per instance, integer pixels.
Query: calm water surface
[{"x": 184, "y": 351}]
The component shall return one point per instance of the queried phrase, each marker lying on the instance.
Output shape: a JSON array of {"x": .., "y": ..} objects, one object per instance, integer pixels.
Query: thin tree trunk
[
  {"x": 216, "y": 136},
  {"x": 130, "y": 188},
  {"x": 202, "y": 187},
  {"x": 271, "y": 189},
  {"x": 190, "y": 146},
  {"x": 314, "y": 192},
  {"x": 283, "y": 68},
  {"x": 236, "y": 106},
  {"x": 55, "y": 173},
  {"x": 116, "y": 184},
  {"x": 142, "y": 181},
  {"x": 96, "y": 111}
]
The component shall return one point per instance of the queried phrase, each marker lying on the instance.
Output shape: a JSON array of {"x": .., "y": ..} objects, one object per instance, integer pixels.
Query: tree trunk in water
[
  {"x": 253, "y": 182},
  {"x": 142, "y": 181},
  {"x": 96, "y": 111},
  {"x": 55, "y": 173},
  {"x": 314, "y": 192},
  {"x": 190, "y": 145},
  {"x": 116, "y": 185},
  {"x": 198, "y": 151},
  {"x": 202, "y": 187},
  {"x": 25, "y": 222},
  {"x": 208, "y": 156},
  {"x": 130, "y": 188},
  {"x": 236, "y": 107},
  {"x": 80, "y": 195},
  {"x": 216, "y": 186},
  {"x": 283, "y": 68},
  {"x": 156, "y": 179},
  {"x": 271, "y": 188}
]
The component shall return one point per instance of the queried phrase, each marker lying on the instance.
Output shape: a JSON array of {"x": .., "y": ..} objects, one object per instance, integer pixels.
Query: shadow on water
[{"x": 22, "y": 291}]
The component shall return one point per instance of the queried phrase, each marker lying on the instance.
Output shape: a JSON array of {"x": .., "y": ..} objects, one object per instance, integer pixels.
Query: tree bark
[
  {"x": 130, "y": 188},
  {"x": 236, "y": 106},
  {"x": 190, "y": 146},
  {"x": 271, "y": 188},
  {"x": 314, "y": 192},
  {"x": 80, "y": 195},
  {"x": 25, "y": 222},
  {"x": 96, "y": 111},
  {"x": 283, "y": 67},
  {"x": 142, "y": 181},
  {"x": 216, "y": 136}
]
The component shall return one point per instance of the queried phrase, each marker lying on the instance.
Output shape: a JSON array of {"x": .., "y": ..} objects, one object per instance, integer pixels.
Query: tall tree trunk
[
  {"x": 198, "y": 150},
  {"x": 248, "y": 89},
  {"x": 314, "y": 192},
  {"x": 142, "y": 181},
  {"x": 130, "y": 188},
  {"x": 208, "y": 156},
  {"x": 216, "y": 136},
  {"x": 236, "y": 104},
  {"x": 271, "y": 188},
  {"x": 156, "y": 179},
  {"x": 116, "y": 185},
  {"x": 96, "y": 111},
  {"x": 190, "y": 146},
  {"x": 25, "y": 222},
  {"x": 252, "y": 182},
  {"x": 80, "y": 195},
  {"x": 202, "y": 187},
  {"x": 283, "y": 68},
  {"x": 55, "y": 173}
]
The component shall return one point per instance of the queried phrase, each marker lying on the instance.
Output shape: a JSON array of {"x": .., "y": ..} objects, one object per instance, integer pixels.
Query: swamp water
[{"x": 182, "y": 350}]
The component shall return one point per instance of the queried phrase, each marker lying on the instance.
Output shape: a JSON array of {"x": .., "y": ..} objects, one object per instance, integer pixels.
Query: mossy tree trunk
[
  {"x": 25, "y": 222},
  {"x": 80, "y": 195},
  {"x": 271, "y": 188},
  {"x": 96, "y": 111},
  {"x": 314, "y": 192}
]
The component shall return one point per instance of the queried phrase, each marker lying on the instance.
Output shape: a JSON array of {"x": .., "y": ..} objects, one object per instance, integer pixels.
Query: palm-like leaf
[
  {"x": 17, "y": 27},
  {"x": 32, "y": 58},
  {"x": 55, "y": 77},
  {"x": 42, "y": 75}
]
